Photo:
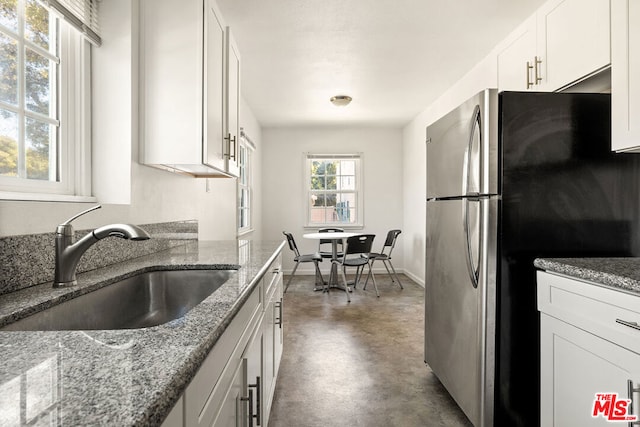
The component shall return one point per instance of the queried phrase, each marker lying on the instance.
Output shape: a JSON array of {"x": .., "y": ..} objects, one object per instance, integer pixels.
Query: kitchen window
[
  {"x": 333, "y": 190},
  {"x": 245, "y": 152},
  {"x": 44, "y": 105}
]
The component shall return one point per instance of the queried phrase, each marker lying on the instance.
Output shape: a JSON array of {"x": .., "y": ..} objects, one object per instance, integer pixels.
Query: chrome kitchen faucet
[{"x": 68, "y": 253}]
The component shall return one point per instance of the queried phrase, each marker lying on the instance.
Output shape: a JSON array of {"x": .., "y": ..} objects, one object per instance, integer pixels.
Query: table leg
[{"x": 334, "y": 281}]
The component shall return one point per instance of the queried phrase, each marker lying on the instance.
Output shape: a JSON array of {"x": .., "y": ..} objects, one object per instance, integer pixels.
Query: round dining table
[{"x": 334, "y": 237}]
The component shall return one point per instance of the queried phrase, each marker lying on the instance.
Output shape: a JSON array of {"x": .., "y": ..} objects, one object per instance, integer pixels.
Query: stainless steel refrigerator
[{"x": 512, "y": 176}]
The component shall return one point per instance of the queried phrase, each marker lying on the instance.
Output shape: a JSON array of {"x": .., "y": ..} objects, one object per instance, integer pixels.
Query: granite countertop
[
  {"x": 618, "y": 273},
  {"x": 120, "y": 377}
]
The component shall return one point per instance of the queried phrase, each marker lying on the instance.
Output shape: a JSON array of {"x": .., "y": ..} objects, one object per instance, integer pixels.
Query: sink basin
[{"x": 144, "y": 300}]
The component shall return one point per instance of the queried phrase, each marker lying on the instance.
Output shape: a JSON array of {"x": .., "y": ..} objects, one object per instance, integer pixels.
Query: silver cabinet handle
[
  {"x": 630, "y": 390},
  {"x": 251, "y": 414},
  {"x": 249, "y": 401},
  {"x": 231, "y": 155},
  {"x": 235, "y": 148},
  {"x": 536, "y": 63},
  {"x": 529, "y": 82},
  {"x": 279, "y": 318},
  {"x": 633, "y": 325}
]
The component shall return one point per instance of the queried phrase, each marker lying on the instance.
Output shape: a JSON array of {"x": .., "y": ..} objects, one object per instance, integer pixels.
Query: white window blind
[{"x": 81, "y": 14}]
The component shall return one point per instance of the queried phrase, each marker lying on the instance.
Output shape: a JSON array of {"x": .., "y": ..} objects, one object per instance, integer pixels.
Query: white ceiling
[{"x": 394, "y": 57}]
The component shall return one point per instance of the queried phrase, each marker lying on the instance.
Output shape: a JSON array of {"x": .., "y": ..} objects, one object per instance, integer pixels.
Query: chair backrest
[
  {"x": 360, "y": 244},
  {"x": 292, "y": 243},
  {"x": 330, "y": 230},
  {"x": 390, "y": 242}
]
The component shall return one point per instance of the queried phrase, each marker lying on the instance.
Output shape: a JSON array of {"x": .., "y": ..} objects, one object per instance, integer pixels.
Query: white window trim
[
  {"x": 359, "y": 223},
  {"x": 250, "y": 147},
  {"x": 74, "y": 132}
]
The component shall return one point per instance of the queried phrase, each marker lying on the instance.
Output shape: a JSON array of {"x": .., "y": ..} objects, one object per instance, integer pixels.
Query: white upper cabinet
[
  {"x": 232, "y": 111},
  {"x": 573, "y": 41},
  {"x": 183, "y": 82},
  {"x": 625, "y": 75},
  {"x": 514, "y": 59},
  {"x": 565, "y": 41},
  {"x": 214, "y": 86}
]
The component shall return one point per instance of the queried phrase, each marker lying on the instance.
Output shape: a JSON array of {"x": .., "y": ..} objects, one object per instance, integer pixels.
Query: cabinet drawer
[
  {"x": 591, "y": 307},
  {"x": 272, "y": 275},
  {"x": 215, "y": 375}
]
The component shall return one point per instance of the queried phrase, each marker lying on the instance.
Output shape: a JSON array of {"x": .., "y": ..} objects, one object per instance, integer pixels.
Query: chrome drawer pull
[{"x": 633, "y": 325}]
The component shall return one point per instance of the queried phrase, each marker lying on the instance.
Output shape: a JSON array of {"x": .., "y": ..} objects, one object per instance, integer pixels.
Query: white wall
[
  {"x": 150, "y": 195},
  {"x": 482, "y": 76},
  {"x": 283, "y": 186}
]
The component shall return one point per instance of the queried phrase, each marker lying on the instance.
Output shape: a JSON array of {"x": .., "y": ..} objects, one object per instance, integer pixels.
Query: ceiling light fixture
[{"x": 340, "y": 100}]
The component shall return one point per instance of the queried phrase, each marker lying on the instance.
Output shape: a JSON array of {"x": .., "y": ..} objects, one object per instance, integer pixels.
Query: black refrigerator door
[{"x": 564, "y": 194}]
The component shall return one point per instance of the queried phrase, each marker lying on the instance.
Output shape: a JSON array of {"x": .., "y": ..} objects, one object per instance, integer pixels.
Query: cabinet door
[
  {"x": 232, "y": 407},
  {"x": 575, "y": 366},
  {"x": 214, "y": 64},
  {"x": 232, "y": 132},
  {"x": 171, "y": 81},
  {"x": 573, "y": 41},
  {"x": 278, "y": 335},
  {"x": 273, "y": 339},
  {"x": 625, "y": 75},
  {"x": 520, "y": 48}
]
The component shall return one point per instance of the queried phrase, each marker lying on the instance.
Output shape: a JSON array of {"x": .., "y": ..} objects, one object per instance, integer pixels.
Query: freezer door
[
  {"x": 460, "y": 311},
  {"x": 462, "y": 149}
]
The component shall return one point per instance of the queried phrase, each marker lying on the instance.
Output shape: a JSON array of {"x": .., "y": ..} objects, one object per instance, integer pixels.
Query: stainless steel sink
[{"x": 145, "y": 300}]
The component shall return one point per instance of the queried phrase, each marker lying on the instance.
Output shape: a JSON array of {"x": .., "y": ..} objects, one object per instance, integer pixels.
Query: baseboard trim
[{"x": 381, "y": 270}]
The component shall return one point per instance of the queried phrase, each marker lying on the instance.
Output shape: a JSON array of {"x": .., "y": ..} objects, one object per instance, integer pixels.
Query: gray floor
[{"x": 358, "y": 364}]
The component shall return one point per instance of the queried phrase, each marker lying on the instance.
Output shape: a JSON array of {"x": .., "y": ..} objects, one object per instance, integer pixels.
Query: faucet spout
[
  {"x": 68, "y": 253},
  {"x": 124, "y": 231}
]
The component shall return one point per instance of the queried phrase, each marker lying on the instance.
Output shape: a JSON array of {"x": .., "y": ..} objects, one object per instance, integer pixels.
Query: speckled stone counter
[
  {"x": 120, "y": 377},
  {"x": 619, "y": 273}
]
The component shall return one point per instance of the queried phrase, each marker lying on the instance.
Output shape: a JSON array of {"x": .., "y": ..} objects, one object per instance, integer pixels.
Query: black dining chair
[
  {"x": 324, "y": 243},
  {"x": 315, "y": 258},
  {"x": 385, "y": 256},
  {"x": 355, "y": 255}
]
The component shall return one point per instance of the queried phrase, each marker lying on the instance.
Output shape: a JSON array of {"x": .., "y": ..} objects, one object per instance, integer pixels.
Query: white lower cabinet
[
  {"x": 273, "y": 336},
  {"x": 235, "y": 384},
  {"x": 590, "y": 361}
]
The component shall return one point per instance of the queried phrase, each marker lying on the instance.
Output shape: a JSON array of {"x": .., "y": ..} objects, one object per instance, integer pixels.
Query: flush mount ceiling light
[{"x": 340, "y": 100}]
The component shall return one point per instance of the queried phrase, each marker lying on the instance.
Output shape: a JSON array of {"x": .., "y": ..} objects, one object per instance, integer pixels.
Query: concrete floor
[{"x": 358, "y": 364}]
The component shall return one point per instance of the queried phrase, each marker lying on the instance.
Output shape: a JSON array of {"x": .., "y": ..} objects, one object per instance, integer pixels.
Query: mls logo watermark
[{"x": 611, "y": 408}]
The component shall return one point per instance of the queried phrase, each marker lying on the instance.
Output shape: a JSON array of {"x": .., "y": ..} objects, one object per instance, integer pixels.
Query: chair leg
[
  {"x": 291, "y": 277},
  {"x": 368, "y": 275},
  {"x": 373, "y": 276},
  {"x": 384, "y": 261},
  {"x": 346, "y": 285},
  {"x": 394, "y": 274},
  {"x": 356, "y": 280}
]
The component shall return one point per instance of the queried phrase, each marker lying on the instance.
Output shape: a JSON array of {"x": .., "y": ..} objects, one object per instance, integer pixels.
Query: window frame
[
  {"x": 73, "y": 104},
  {"x": 245, "y": 169},
  {"x": 308, "y": 158}
]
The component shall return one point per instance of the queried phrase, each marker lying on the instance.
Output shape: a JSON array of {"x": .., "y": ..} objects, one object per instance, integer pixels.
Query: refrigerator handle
[
  {"x": 466, "y": 171},
  {"x": 471, "y": 269}
]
